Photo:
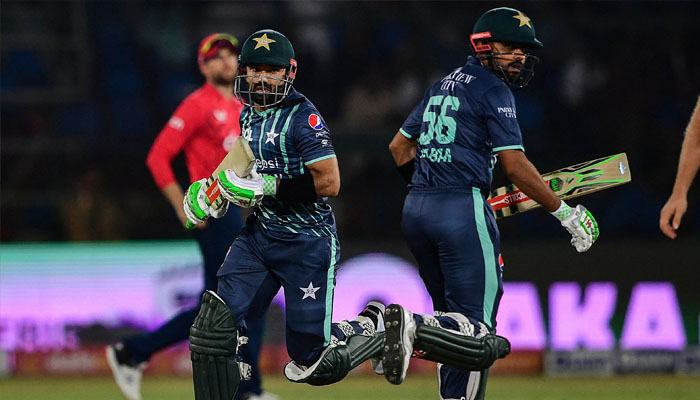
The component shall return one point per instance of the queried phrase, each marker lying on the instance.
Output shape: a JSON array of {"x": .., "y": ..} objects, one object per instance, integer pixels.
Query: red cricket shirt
[{"x": 204, "y": 126}]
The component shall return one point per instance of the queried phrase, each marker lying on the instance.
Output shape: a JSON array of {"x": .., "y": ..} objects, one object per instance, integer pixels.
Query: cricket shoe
[
  {"x": 126, "y": 372},
  {"x": 398, "y": 343},
  {"x": 375, "y": 311}
]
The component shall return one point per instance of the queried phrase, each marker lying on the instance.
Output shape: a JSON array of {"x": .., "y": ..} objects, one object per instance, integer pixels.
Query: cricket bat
[
  {"x": 240, "y": 159},
  {"x": 567, "y": 183}
]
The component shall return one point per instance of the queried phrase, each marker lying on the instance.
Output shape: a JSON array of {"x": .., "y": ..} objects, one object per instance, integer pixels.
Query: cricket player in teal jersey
[
  {"x": 446, "y": 150},
  {"x": 289, "y": 241}
]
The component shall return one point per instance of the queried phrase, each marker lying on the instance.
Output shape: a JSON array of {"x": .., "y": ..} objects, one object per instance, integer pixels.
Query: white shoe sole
[{"x": 398, "y": 345}]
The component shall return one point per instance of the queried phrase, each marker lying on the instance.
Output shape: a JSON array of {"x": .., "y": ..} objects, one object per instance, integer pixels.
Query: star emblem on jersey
[
  {"x": 309, "y": 291},
  {"x": 264, "y": 41},
  {"x": 524, "y": 20},
  {"x": 271, "y": 137}
]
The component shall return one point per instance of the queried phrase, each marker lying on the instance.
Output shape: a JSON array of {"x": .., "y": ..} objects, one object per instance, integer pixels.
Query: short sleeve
[
  {"x": 501, "y": 119},
  {"x": 312, "y": 138}
]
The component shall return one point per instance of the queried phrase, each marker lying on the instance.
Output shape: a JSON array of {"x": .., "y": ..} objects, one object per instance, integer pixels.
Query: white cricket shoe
[
  {"x": 128, "y": 377},
  {"x": 398, "y": 343}
]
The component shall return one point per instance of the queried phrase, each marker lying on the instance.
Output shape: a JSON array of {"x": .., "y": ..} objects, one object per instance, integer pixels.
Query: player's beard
[
  {"x": 513, "y": 74},
  {"x": 267, "y": 96}
]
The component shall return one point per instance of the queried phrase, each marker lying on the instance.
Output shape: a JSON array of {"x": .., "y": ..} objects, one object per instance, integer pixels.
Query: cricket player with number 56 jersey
[
  {"x": 289, "y": 241},
  {"x": 446, "y": 150}
]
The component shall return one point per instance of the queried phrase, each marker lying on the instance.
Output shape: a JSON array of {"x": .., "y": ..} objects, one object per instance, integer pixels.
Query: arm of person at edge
[{"x": 688, "y": 165}]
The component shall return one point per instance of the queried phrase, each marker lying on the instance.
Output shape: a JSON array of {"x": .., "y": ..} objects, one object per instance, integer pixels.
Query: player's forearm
[
  {"x": 690, "y": 155},
  {"x": 327, "y": 185},
  {"x": 687, "y": 169},
  {"x": 525, "y": 176},
  {"x": 173, "y": 192},
  {"x": 326, "y": 177},
  {"x": 402, "y": 149}
]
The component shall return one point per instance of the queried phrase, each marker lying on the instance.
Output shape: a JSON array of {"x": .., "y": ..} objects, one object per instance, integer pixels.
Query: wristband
[
  {"x": 298, "y": 188},
  {"x": 269, "y": 185},
  {"x": 562, "y": 212}
]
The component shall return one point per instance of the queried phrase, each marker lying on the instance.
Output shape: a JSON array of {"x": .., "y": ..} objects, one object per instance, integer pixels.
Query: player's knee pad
[
  {"x": 213, "y": 348},
  {"x": 459, "y": 351}
]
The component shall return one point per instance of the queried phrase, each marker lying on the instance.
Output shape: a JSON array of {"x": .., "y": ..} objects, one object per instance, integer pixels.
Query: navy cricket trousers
[
  {"x": 261, "y": 261},
  {"x": 453, "y": 234}
]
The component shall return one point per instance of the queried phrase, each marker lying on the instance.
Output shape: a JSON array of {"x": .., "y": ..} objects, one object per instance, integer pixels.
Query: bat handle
[{"x": 189, "y": 225}]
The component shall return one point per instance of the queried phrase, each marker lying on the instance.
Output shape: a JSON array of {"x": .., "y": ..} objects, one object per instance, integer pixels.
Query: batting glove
[
  {"x": 195, "y": 203},
  {"x": 246, "y": 192},
  {"x": 579, "y": 222}
]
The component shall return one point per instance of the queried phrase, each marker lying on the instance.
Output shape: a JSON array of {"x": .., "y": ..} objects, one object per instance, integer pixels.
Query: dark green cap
[
  {"x": 267, "y": 47},
  {"x": 507, "y": 25}
]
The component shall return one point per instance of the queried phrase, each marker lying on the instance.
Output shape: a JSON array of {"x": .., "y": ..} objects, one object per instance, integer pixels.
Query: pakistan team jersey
[
  {"x": 463, "y": 120},
  {"x": 286, "y": 139}
]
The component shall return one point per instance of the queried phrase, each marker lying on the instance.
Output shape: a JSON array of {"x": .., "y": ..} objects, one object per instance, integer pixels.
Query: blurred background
[{"x": 86, "y": 86}]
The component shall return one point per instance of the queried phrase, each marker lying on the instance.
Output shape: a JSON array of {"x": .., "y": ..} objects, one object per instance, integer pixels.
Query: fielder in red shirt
[{"x": 203, "y": 127}]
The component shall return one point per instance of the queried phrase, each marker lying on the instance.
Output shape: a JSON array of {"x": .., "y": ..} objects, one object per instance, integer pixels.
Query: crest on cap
[{"x": 263, "y": 41}]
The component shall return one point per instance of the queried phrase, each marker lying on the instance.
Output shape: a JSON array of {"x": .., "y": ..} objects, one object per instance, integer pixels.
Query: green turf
[{"x": 366, "y": 388}]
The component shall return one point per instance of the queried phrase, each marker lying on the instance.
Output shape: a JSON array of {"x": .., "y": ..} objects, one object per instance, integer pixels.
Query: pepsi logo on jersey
[
  {"x": 267, "y": 164},
  {"x": 315, "y": 121}
]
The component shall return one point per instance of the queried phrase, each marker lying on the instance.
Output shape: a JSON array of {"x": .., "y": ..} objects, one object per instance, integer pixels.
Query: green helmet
[
  {"x": 511, "y": 26},
  {"x": 507, "y": 25},
  {"x": 265, "y": 47}
]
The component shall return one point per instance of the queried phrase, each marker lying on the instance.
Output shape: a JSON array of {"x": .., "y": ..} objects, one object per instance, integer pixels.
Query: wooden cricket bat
[
  {"x": 240, "y": 159},
  {"x": 567, "y": 183}
]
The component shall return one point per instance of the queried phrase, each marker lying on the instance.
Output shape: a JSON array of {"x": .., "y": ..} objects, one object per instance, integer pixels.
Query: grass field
[{"x": 366, "y": 388}]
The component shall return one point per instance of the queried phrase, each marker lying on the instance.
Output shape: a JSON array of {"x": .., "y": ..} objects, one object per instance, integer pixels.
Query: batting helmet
[
  {"x": 505, "y": 24},
  {"x": 265, "y": 47}
]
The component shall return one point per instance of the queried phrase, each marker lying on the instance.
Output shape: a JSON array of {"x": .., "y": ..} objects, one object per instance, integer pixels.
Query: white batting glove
[
  {"x": 246, "y": 192},
  {"x": 579, "y": 222}
]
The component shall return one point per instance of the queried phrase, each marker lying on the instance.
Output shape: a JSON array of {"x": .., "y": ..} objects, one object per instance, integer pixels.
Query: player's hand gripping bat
[
  {"x": 240, "y": 159},
  {"x": 567, "y": 183}
]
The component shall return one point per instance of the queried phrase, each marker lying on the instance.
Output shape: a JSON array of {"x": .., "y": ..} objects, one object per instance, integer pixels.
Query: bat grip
[{"x": 189, "y": 225}]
